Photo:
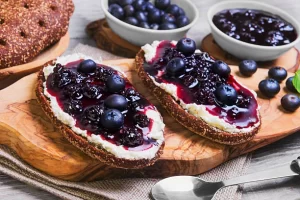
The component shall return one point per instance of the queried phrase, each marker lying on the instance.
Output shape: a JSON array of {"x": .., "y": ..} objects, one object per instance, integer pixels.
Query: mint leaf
[{"x": 296, "y": 81}]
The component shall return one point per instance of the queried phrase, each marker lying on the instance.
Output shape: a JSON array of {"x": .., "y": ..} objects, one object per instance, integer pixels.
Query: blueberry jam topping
[
  {"x": 204, "y": 81},
  {"x": 103, "y": 103},
  {"x": 255, "y": 27}
]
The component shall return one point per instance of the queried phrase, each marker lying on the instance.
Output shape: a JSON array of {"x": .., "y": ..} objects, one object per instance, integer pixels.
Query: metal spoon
[{"x": 194, "y": 188}]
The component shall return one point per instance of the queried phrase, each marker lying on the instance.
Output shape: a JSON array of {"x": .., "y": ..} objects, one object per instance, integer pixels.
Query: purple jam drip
[
  {"x": 79, "y": 79},
  {"x": 255, "y": 27},
  {"x": 198, "y": 83}
]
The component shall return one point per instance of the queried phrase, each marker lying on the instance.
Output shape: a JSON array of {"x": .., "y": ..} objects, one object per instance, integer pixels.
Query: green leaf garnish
[{"x": 296, "y": 81}]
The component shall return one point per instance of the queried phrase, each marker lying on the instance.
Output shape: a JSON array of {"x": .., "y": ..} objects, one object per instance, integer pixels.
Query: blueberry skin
[
  {"x": 168, "y": 18},
  {"x": 131, "y": 20},
  {"x": 175, "y": 66},
  {"x": 129, "y": 10},
  {"x": 248, "y": 67},
  {"x": 149, "y": 6},
  {"x": 112, "y": 120},
  {"x": 269, "y": 87},
  {"x": 277, "y": 73},
  {"x": 116, "y": 101},
  {"x": 140, "y": 5},
  {"x": 290, "y": 102},
  {"x": 154, "y": 26},
  {"x": 162, "y": 4},
  {"x": 186, "y": 46},
  {"x": 181, "y": 12},
  {"x": 221, "y": 68},
  {"x": 113, "y": 2},
  {"x": 116, "y": 10},
  {"x": 144, "y": 25},
  {"x": 115, "y": 84},
  {"x": 182, "y": 21},
  {"x": 154, "y": 16},
  {"x": 140, "y": 16},
  {"x": 226, "y": 94},
  {"x": 173, "y": 10},
  {"x": 87, "y": 66},
  {"x": 289, "y": 85},
  {"x": 125, "y": 2},
  {"x": 167, "y": 26}
]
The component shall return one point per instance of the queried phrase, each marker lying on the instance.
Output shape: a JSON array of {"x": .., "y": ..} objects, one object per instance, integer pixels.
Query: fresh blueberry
[
  {"x": 248, "y": 67},
  {"x": 117, "y": 11},
  {"x": 277, "y": 73},
  {"x": 124, "y": 3},
  {"x": 87, "y": 66},
  {"x": 162, "y": 4},
  {"x": 173, "y": 10},
  {"x": 110, "y": 2},
  {"x": 168, "y": 18},
  {"x": 112, "y": 120},
  {"x": 167, "y": 26},
  {"x": 182, "y": 21},
  {"x": 226, "y": 94},
  {"x": 289, "y": 84},
  {"x": 186, "y": 46},
  {"x": 175, "y": 66},
  {"x": 128, "y": 10},
  {"x": 149, "y": 6},
  {"x": 290, "y": 102},
  {"x": 140, "y": 16},
  {"x": 221, "y": 68},
  {"x": 116, "y": 101},
  {"x": 269, "y": 87},
  {"x": 154, "y": 16},
  {"x": 154, "y": 26},
  {"x": 162, "y": 13},
  {"x": 181, "y": 12},
  {"x": 144, "y": 25},
  {"x": 131, "y": 20},
  {"x": 140, "y": 5},
  {"x": 115, "y": 84}
]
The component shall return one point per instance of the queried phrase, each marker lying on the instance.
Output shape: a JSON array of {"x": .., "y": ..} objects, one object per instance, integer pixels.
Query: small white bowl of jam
[{"x": 253, "y": 30}]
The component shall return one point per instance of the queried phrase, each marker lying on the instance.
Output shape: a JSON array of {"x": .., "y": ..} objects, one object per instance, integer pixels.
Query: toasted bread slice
[
  {"x": 84, "y": 142},
  {"x": 194, "y": 123}
]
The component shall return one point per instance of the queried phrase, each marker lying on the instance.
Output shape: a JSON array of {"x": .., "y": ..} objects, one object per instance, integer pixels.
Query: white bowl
[
  {"x": 245, "y": 50},
  {"x": 141, "y": 36}
]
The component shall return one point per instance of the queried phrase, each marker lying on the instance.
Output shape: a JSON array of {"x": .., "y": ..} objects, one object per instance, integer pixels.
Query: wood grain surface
[
  {"x": 27, "y": 130},
  {"x": 12, "y": 74}
]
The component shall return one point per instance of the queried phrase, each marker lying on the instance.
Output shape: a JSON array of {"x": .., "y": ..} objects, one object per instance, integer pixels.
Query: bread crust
[
  {"x": 194, "y": 124},
  {"x": 81, "y": 142},
  {"x": 29, "y": 27}
]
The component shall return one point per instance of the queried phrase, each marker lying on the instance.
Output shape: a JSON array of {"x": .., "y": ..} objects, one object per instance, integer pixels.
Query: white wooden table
[{"x": 271, "y": 156}]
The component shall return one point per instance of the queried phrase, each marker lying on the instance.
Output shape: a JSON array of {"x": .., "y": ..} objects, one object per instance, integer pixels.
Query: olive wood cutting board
[
  {"x": 12, "y": 74},
  {"x": 25, "y": 129}
]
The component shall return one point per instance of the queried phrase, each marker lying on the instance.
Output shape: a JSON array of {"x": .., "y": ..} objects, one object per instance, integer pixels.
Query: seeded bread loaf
[{"x": 27, "y": 27}]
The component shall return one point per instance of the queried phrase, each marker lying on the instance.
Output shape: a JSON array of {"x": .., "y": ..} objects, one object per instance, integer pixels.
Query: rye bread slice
[
  {"x": 194, "y": 124},
  {"x": 82, "y": 143}
]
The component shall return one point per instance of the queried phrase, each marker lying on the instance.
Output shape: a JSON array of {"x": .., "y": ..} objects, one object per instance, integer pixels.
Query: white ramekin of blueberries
[{"x": 143, "y": 21}]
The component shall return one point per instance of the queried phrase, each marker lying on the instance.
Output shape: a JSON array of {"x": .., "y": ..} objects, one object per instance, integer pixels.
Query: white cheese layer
[
  {"x": 119, "y": 151},
  {"x": 198, "y": 111}
]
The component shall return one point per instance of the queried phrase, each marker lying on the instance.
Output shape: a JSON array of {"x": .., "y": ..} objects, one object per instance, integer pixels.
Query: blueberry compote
[
  {"x": 82, "y": 95},
  {"x": 198, "y": 83},
  {"x": 255, "y": 27}
]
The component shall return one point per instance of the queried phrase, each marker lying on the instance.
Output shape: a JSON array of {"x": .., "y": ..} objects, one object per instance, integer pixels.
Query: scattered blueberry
[
  {"x": 115, "y": 84},
  {"x": 124, "y": 3},
  {"x": 226, "y": 94},
  {"x": 175, "y": 66},
  {"x": 162, "y": 4},
  {"x": 117, "y": 11},
  {"x": 129, "y": 10},
  {"x": 173, "y": 10},
  {"x": 186, "y": 46},
  {"x": 221, "y": 68},
  {"x": 140, "y": 5},
  {"x": 140, "y": 16},
  {"x": 248, "y": 67},
  {"x": 112, "y": 119},
  {"x": 154, "y": 16},
  {"x": 167, "y": 26},
  {"x": 182, "y": 21},
  {"x": 289, "y": 85},
  {"x": 131, "y": 137},
  {"x": 154, "y": 26},
  {"x": 168, "y": 18},
  {"x": 131, "y": 20},
  {"x": 277, "y": 73},
  {"x": 116, "y": 101},
  {"x": 269, "y": 87},
  {"x": 144, "y": 25},
  {"x": 290, "y": 102},
  {"x": 87, "y": 66}
]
